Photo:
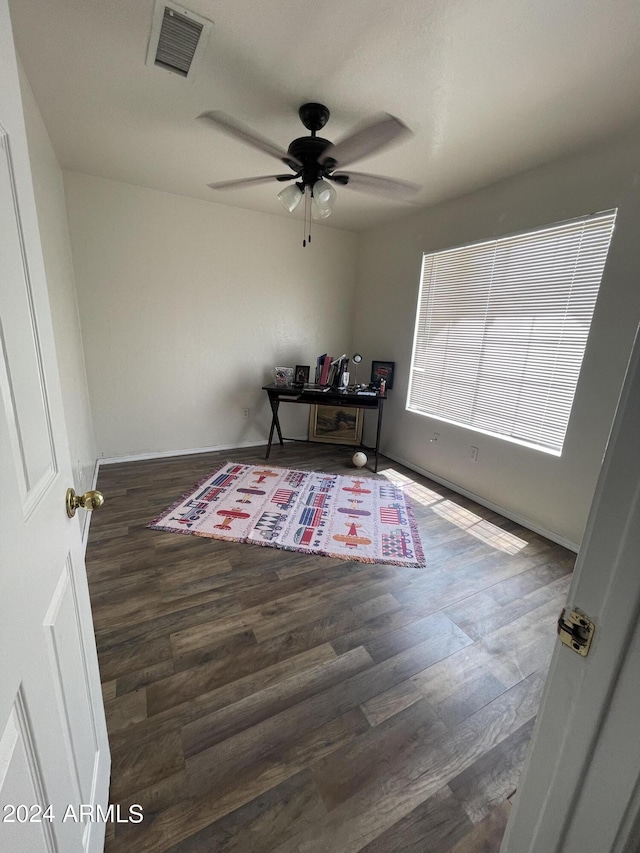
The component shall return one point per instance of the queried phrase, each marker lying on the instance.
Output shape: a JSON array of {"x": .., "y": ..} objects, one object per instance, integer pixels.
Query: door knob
[{"x": 90, "y": 500}]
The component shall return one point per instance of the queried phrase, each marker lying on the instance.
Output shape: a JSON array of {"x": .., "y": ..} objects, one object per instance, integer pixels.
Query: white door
[
  {"x": 53, "y": 743},
  {"x": 580, "y": 791}
]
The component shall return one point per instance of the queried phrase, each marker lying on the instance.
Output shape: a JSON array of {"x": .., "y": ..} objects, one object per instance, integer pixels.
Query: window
[{"x": 501, "y": 330}]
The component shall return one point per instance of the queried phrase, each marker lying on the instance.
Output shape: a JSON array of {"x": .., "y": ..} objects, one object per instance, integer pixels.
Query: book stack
[{"x": 329, "y": 370}]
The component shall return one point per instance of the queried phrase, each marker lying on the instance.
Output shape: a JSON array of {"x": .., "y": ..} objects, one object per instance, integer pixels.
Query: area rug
[{"x": 349, "y": 517}]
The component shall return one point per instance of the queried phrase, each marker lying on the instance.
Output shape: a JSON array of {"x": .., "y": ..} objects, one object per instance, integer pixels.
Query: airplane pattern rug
[{"x": 349, "y": 517}]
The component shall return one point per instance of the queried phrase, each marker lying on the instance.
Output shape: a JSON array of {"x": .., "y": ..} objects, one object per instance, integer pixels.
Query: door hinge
[{"x": 576, "y": 631}]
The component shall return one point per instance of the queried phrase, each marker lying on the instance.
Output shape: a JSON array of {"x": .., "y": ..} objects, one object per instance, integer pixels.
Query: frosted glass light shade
[
  {"x": 317, "y": 212},
  {"x": 324, "y": 194},
  {"x": 290, "y": 197}
]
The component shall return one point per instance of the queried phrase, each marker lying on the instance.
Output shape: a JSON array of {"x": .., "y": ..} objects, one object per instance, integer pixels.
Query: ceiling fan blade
[
  {"x": 249, "y": 182},
  {"x": 376, "y": 184},
  {"x": 369, "y": 137},
  {"x": 235, "y": 128}
]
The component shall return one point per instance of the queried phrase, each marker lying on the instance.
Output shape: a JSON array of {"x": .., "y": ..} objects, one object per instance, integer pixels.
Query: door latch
[{"x": 576, "y": 631}]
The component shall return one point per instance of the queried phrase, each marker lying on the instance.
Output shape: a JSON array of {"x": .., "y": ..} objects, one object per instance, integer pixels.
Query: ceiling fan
[{"x": 314, "y": 160}]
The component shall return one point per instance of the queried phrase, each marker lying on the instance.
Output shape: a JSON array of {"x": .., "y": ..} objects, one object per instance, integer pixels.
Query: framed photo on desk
[
  {"x": 301, "y": 375},
  {"x": 335, "y": 424},
  {"x": 382, "y": 370}
]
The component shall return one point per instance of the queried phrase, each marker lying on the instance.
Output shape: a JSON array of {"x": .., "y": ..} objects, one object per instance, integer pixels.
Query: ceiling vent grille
[
  {"x": 177, "y": 38},
  {"x": 178, "y": 41}
]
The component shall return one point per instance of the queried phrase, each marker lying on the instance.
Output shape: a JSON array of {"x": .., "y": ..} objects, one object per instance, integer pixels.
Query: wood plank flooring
[{"x": 264, "y": 701}]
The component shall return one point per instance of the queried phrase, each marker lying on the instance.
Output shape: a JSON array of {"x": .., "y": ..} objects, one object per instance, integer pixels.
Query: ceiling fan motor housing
[{"x": 307, "y": 150}]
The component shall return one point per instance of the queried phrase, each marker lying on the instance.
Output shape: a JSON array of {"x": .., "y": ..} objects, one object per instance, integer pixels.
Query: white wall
[
  {"x": 550, "y": 493},
  {"x": 56, "y": 250},
  {"x": 186, "y": 306}
]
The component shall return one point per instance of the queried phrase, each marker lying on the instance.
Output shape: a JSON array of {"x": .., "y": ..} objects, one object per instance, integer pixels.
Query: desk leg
[
  {"x": 275, "y": 423},
  {"x": 380, "y": 405}
]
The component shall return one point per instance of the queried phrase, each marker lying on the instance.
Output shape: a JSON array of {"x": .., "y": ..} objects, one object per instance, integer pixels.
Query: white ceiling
[{"x": 490, "y": 87}]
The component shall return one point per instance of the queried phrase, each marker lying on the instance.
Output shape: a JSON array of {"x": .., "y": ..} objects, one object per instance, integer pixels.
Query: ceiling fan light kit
[
  {"x": 324, "y": 194},
  {"x": 314, "y": 160},
  {"x": 290, "y": 197},
  {"x": 318, "y": 213}
]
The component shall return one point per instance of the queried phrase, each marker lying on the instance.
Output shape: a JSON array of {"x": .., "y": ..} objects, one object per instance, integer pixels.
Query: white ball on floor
[{"x": 359, "y": 459}]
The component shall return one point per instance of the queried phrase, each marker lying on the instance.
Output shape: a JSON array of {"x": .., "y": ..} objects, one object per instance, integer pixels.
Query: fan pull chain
[{"x": 304, "y": 221}]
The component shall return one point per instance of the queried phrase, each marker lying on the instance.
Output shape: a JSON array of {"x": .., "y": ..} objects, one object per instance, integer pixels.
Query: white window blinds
[{"x": 501, "y": 330}]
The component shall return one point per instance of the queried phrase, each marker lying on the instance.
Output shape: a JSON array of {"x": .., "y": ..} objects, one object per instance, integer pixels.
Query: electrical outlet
[
  {"x": 473, "y": 456},
  {"x": 245, "y": 414}
]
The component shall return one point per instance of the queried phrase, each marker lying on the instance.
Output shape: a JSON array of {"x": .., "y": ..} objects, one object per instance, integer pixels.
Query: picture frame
[
  {"x": 382, "y": 370},
  {"x": 301, "y": 374},
  {"x": 336, "y": 425}
]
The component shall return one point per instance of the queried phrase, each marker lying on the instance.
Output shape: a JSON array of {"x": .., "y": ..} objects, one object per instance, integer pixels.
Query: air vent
[
  {"x": 177, "y": 38},
  {"x": 178, "y": 42}
]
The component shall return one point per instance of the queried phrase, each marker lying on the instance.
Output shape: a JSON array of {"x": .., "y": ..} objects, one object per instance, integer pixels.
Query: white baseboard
[
  {"x": 513, "y": 516},
  {"x": 88, "y": 515},
  {"x": 189, "y": 451},
  {"x": 94, "y": 479}
]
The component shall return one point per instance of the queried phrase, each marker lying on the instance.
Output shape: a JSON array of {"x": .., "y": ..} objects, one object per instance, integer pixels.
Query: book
[
  {"x": 326, "y": 364},
  {"x": 337, "y": 369}
]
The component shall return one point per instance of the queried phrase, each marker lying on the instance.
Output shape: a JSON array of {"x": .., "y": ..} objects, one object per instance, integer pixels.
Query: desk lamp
[{"x": 356, "y": 359}]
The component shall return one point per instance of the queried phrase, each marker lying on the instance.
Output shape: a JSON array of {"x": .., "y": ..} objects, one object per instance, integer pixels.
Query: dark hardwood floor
[{"x": 264, "y": 701}]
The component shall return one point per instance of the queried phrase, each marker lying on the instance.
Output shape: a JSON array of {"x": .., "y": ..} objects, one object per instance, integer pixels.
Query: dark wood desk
[{"x": 289, "y": 394}]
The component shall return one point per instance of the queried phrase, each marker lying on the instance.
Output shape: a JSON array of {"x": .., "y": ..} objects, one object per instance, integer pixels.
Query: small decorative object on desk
[
  {"x": 302, "y": 374},
  {"x": 283, "y": 375},
  {"x": 356, "y": 358},
  {"x": 382, "y": 370}
]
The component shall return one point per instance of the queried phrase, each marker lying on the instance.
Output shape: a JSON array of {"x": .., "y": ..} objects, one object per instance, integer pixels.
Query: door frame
[{"x": 580, "y": 789}]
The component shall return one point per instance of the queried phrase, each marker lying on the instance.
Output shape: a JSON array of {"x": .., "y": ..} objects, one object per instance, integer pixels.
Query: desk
[{"x": 288, "y": 394}]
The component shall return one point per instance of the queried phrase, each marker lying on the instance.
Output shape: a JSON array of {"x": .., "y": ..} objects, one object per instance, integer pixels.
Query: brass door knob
[{"x": 90, "y": 500}]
